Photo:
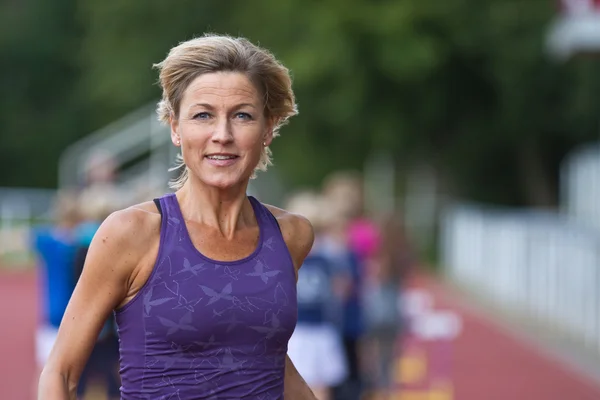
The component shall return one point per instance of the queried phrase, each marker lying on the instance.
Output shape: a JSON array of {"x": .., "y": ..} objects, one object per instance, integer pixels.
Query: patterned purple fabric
[{"x": 202, "y": 329}]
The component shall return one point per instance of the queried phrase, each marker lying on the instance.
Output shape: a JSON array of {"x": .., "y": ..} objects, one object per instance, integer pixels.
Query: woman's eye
[
  {"x": 202, "y": 115},
  {"x": 243, "y": 116}
]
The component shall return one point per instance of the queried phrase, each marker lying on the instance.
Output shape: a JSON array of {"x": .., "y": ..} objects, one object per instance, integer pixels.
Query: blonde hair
[
  {"x": 314, "y": 207},
  {"x": 216, "y": 53}
]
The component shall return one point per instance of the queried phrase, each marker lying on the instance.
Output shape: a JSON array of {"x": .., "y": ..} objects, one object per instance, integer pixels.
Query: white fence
[
  {"x": 580, "y": 185},
  {"x": 19, "y": 208},
  {"x": 540, "y": 264}
]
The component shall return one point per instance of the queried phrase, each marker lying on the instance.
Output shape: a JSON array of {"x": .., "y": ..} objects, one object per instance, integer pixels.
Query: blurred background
[{"x": 475, "y": 124}]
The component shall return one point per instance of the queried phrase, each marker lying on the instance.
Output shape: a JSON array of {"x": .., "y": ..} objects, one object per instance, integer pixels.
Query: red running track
[
  {"x": 489, "y": 363},
  {"x": 18, "y": 315}
]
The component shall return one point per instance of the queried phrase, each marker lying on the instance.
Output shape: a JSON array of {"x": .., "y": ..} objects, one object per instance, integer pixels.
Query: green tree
[
  {"x": 39, "y": 111},
  {"x": 465, "y": 86}
]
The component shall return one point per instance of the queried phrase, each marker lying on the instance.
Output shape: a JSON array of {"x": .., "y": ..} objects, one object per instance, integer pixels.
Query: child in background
[
  {"x": 55, "y": 247},
  {"x": 390, "y": 266},
  {"x": 316, "y": 346}
]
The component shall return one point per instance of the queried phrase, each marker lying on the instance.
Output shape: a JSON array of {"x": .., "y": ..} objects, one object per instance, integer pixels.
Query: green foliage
[{"x": 466, "y": 85}]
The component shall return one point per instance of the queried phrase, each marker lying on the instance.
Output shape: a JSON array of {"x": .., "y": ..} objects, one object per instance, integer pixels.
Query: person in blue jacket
[{"x": 54, "y": 246}]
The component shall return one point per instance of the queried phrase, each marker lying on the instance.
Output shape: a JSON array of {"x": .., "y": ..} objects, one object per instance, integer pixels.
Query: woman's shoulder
[
  {"x": 131, "y": 227},
  {"x": 293, "y": 222},
  {"x": 297, "y": 232}
]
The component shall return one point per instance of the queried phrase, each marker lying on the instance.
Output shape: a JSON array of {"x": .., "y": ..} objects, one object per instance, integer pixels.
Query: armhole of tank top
[
  {"x": 277, "y": 228},
  {"x": 161, "y": 245},
  {"x": 158, "y": 206}
]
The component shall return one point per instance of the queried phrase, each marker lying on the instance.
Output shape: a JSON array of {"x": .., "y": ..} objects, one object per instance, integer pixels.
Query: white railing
[
  {"x": 539, "y": 264},
  {"x": 142, "y": 151},
  {"x": 138, "y": 141},
  {"x": 19, "y": 208},
  {"x": 141, "y": 148}
]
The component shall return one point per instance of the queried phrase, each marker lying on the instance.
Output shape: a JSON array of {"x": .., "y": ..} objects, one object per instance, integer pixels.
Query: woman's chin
[{"x": 224, "y": 181}]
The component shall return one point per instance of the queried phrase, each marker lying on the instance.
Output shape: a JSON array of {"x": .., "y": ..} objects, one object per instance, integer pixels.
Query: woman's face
[{"x": 221, "y": 129}]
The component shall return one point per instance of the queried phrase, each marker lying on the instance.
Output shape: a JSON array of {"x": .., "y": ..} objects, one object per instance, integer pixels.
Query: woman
[{"x": 202, "y": 280}]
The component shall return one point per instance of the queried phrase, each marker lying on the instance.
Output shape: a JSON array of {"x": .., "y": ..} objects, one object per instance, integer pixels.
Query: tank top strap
[
  {"x": 267, "y": 223},
  {"x": 273, "y": 244},
  {"x": 172, "y": 229},
  {"x": 169, "y": 206}
]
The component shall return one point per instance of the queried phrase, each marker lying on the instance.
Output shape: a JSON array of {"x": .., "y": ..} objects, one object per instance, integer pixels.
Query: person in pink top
[{"x": 344, "y": 189}]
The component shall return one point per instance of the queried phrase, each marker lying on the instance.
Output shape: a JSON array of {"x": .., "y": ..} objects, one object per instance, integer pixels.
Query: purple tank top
[{"x": 202, "y": 329}]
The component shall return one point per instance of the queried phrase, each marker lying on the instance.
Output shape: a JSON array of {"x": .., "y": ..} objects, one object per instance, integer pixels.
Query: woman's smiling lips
[{"x": 221, "y": 159}]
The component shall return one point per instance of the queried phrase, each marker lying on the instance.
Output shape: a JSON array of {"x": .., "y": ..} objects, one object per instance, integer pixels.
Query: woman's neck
[{"x": 226, "y": 210}]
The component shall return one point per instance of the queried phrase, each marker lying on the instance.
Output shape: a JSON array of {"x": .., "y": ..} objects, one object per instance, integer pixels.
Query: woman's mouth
[{"x": 221, "y": 159}]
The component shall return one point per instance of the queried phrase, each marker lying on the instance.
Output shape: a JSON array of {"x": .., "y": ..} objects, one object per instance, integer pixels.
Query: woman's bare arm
[
  {"x": 116, "y": 253},
  {"x": 295, "y": 387}
]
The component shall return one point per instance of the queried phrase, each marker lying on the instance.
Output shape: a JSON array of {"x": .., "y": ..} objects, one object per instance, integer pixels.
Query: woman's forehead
[{"x": 221, "y": 88}]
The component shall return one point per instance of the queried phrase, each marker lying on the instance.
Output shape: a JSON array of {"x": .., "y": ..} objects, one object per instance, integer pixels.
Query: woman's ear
[
  {"x": 268, "y": 138},
  {"x": 175, "y": 137}
]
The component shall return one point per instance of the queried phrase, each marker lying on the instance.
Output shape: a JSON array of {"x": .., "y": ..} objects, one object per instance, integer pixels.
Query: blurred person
[
  {"x": 101, "y": 168},
  {"x": 396, "y": 251},
  {"x": 104, "y": 358},
  {"x": 345, "y": 188},
  {"x": 384, "y": 321},
  {"x": 101, "y": 180},
  {"x": 352, "y": 330},
  {"x": 316, "y": 346},
  {"x": 55, "y": 246},
  {"x": 360, "y": 237},
  {"x": 334, "y": 244},
  {"x": 203, "y": 280}
]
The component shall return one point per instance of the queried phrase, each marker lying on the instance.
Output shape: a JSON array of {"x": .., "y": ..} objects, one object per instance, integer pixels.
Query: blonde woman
[{"x": 203, "y": 280}]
